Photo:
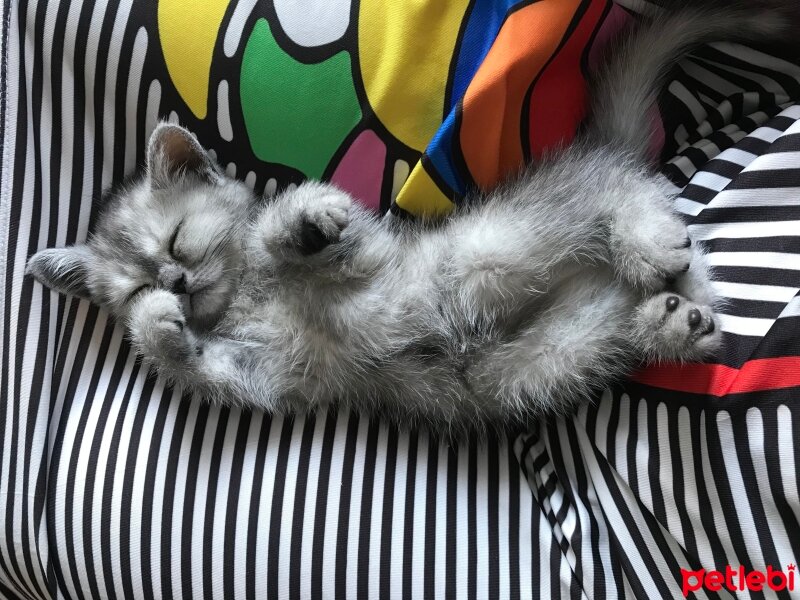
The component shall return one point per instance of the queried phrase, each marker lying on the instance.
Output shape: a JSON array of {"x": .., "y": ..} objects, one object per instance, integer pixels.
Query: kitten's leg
[
  {"x": 649, "y": 244},
  {"x": 570, "y": 350},
  {"x": 679, "y": 324},
  {"x": 211, "y": 365},
  {"x": 316, "y": 234},
  {"x": 502, "y": 255},
  {"x": 159, "y": 331},
  {"x": 668, "y": 326},
  {"x": 696, "y": 284},
  {"x": 302, "y": 222}
]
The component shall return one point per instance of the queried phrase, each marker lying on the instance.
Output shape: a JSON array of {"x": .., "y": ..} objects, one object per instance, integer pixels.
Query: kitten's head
[{"x": 178, "y": 228}]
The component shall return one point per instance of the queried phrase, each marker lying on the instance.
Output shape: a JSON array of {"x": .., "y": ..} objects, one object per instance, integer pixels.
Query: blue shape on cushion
[
  {"x": 484, "y": 22},
  {"x": 440, "y": 153}
]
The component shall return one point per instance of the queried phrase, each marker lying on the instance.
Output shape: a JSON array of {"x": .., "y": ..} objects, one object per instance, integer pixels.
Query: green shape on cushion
[{"x": 296, "y": 114}]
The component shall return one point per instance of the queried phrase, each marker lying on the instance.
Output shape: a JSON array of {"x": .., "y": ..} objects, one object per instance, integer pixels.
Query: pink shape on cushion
[{"x": 360, "y": 172}]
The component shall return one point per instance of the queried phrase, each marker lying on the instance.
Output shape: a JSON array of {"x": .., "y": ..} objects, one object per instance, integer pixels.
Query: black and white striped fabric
[{"x": 112, "y": 485}]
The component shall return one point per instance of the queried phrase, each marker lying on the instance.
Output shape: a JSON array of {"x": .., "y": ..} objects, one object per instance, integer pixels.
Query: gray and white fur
[{"x": 519, "y": 304}]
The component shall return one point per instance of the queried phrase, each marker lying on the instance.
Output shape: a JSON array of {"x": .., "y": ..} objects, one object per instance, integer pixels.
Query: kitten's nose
[{"x": 179, "y": 285}]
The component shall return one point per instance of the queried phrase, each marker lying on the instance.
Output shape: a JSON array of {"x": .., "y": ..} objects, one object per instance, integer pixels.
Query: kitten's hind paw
[
  {"x": 649, "y": 253},
  {"x": 670, "y": 327},
  {"x": 159, "y": 331}
]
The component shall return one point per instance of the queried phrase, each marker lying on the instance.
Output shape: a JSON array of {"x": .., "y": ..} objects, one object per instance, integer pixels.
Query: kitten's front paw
[
  {"x": 670, "y": 327},
  {"x": 159, "y": 331},
  {"x": 651, "y": 252},
  {"x": 303, "y": 221},
  {"x": 322, "y": 222}
]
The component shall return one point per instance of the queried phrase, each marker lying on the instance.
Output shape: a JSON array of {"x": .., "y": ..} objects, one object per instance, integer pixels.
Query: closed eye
[
  {"x": 137, "y": 291},
  {"x": 172, "y": 239}
]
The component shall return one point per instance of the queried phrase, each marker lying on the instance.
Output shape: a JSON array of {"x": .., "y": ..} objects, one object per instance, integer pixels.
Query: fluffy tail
[{"x": 626, "y": 85}]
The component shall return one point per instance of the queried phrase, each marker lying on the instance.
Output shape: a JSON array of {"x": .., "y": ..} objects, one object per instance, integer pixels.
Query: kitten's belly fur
[
  {"x": 402, "y": 337},
  {"x": 327, "y": 341}
]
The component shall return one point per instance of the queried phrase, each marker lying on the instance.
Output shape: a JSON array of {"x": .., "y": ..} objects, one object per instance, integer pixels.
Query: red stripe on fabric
[{"x": 719, "y": 380}]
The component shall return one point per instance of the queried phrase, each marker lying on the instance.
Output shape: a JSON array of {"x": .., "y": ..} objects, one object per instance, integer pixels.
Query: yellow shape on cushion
[
  {"x": 405, "y": 50},
  {"x": 420, "y": 196},
  {"x": 188, "y": 32}
]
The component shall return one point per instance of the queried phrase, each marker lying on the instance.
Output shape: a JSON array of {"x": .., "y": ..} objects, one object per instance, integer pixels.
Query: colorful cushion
[{"x": 407, "y": 102}]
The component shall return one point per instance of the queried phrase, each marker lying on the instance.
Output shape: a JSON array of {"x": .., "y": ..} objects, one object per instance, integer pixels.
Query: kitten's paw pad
[
  {"x": 670, "y": 327},
  {"x": 323, "y": 223},
  {"x": 158, "y": 327},
  {"x": 653, "y": 253}
]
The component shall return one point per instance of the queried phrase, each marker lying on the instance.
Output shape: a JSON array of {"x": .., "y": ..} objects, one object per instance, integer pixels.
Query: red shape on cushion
[
  {"x": 756, "y": 375},
  {"x": 558, "y": 99}
]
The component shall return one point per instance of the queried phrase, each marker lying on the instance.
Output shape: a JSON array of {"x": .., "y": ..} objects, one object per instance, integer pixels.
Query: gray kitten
[{"x": 522, "y": 302}]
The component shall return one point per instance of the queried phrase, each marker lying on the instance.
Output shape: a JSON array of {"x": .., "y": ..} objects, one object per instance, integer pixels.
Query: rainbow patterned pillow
[{"x": 401, "y": 103}]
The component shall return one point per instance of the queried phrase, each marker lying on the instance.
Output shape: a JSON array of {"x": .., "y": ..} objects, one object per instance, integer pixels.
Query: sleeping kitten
[{"x": 522, "y": 302}]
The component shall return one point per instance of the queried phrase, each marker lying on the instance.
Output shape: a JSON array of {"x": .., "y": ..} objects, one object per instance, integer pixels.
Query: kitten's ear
[
  {"x": 63, "y": 269},
  {"x": 173, "y": 151}
]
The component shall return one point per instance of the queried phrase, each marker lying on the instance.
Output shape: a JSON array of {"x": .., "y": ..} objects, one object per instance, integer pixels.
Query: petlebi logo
[{"x": 739, "y": 580}]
